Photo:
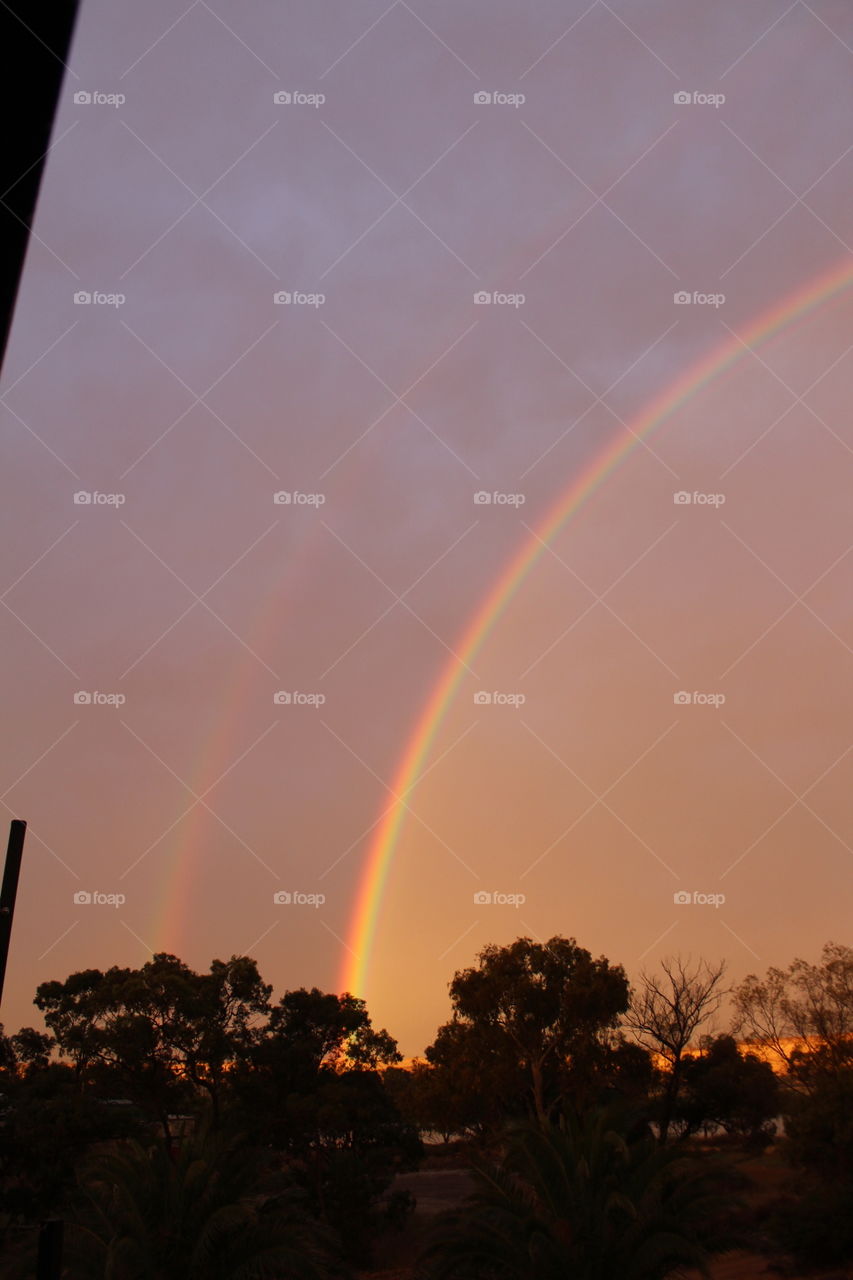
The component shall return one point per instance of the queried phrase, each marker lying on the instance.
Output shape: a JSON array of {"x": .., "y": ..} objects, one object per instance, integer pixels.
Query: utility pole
[{"x": 9, "y": 892}]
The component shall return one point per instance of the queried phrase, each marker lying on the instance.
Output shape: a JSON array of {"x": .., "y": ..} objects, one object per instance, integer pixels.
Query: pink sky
[{"x": 196, "y": 597}]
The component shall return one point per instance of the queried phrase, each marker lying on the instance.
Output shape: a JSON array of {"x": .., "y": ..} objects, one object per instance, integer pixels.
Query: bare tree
[
  {"x": 667, "y": 1010},
  {"x": 801, "y": 1013}
]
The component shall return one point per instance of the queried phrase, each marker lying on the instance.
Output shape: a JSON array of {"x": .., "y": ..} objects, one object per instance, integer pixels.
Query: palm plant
[
  {"x": 578, "y": 1201},
  {"x": 201, "y": 1213}
]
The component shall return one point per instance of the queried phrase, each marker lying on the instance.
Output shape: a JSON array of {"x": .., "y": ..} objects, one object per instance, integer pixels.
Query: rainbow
[{"x": 380, "y": 855}]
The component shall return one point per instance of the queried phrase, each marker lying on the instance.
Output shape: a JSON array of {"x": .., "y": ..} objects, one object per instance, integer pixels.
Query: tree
[
  {"x": 211, "y": 1211},
  {"x": 47, "y": 1127},
  {"x": 73, "y": 1010},
  {"x": 547, "y": 1006},
  {"x": 31, "y": 1048},
  {"x": 665, "y": 1014},
  {"x": 464, "y": 1057},
  {"x": 310, "y": 1085},
  {"x": 223, "y": 1024},
  {"x": 589, "y": 1198},
  {"x": 802, "y": 1015},
  {"x": 160, "y": 1032},
  {"x": 325, "y": 1030},
  {"x": 129, "y": 1028},
  {"x": 726, "y": 1087}
]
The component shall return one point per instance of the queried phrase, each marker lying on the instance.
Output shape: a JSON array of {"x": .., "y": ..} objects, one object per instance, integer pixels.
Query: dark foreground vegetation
[{"x": 185, "y": 1125}]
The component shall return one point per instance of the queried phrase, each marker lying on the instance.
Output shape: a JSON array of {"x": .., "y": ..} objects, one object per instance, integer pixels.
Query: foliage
[
  {"x": 665, "y": 1014},
  {"x": 819, "y": 1127},
  {"x": 153, "y": 1032},
  {"x": 737, "y": 1091},
  {"x": 816, "y": 1227},
  {"x": 544, "y": 1009},
  {"x": 309, "y": 1087},
  {"x": 591, "y": 1198},
  {"x": 47, "y": 1127},
  {"x": 802, "y": 1012},
  {"x": 209, "y": 1212}
]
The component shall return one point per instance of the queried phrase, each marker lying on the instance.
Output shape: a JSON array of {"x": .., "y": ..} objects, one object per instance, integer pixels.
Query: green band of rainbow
[{"x": 364, "y": 919}]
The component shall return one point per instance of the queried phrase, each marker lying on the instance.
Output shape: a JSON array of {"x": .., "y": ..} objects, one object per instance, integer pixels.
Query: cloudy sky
[{"x": 282, "y": 216}]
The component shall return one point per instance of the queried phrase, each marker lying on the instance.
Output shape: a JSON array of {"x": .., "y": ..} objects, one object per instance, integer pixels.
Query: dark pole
[
  {"x": 50, "y": 1250},
  {"x": 9, "y": 892}
]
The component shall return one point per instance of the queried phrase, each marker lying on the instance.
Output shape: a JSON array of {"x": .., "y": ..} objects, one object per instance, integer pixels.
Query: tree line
[{"x": 185, "y": 1123}]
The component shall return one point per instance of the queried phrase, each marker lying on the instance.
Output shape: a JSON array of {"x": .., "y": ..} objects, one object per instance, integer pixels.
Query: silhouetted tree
[
  {"x": 310, "y": 1085},
  {"x": 735, "y": 1090},
  {"x": 476, "y": 1079},
  {"x": 128, "y": 1027},
  {"x": 547, "y": 1007},
  {"x": 802, "y": 1012},
  {"x": 666, "y": 1012},
  {"x": 224, "y": 1022}
]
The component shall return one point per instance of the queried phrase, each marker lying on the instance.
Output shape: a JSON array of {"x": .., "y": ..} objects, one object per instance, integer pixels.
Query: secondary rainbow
[{"x": 380, "y": 854}]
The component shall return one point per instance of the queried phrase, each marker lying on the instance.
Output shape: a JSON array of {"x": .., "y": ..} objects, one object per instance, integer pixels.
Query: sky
[{"x": 420, "y": 269}]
